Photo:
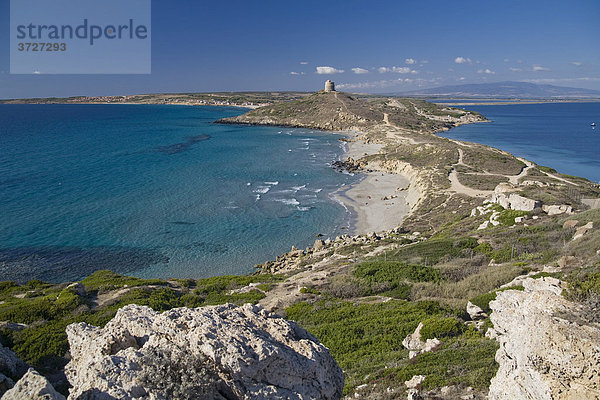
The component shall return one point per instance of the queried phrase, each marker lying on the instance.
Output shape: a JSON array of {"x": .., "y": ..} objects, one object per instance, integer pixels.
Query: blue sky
[{"x": 381, "y": 46}]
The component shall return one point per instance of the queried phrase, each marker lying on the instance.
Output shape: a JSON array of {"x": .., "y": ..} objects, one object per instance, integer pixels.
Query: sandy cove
[{"x": 378, "y": 201}]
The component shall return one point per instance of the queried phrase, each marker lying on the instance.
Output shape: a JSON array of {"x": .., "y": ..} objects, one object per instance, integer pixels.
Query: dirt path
[
  {"x": 457, "y": 187},
  {"x": 515, "y": 178}
]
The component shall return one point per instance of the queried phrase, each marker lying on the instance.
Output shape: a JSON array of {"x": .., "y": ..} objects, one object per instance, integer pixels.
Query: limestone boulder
[
  {"x": 544, "y": 354},
  {"x": 582, "y": 230},
  {"x": 475, "y": 312},
  {"x": 11, "y": 364},
  {"x": 416, "y": 346},
  {"x": 570, "y": 224},
  {"x": 557, "y": 209},
  {"x": 32, "y": 386},
  {"x": 216, "y": 352}
]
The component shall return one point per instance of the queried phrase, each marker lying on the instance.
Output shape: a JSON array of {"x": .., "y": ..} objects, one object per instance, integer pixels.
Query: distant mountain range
[{"x": 521, "y": 90}]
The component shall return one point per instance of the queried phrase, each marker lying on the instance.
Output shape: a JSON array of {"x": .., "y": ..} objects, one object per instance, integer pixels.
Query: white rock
[
  {"x": 475, "y": 312},
  {"x": 513, "y": 201},
  {"x": 483, "y": 225},
  {"x": 414, "y": 394},
  {"x": 10, "y": 363},
  {"x": 32, "y": 386},
  {"x": 582, "y": 230},
  {"x": 413, "y": 340},
  {"x": 557, "y": 209},
  {"x": 415, "y": 382},
  {"x": 416, "y": 346},
  {"x": 214, "y": 352},
  {"x": 542, "y": 355}
]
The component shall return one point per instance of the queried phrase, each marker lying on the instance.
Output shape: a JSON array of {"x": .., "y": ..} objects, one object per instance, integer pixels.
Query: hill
[
  {"x": 341, "y": 111},
  {"x": 508, "y": 89}
]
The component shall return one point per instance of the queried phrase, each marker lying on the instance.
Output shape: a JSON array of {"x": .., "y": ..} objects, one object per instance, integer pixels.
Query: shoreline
[{"x": 378, "y": 201}]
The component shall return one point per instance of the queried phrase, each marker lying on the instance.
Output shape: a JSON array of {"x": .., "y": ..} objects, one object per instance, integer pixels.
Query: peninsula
[{"x": 464, "y": 259}]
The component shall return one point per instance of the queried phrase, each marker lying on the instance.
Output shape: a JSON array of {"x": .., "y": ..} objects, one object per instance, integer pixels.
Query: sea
[
  {"x": 158, "y": 191},
  {"x": 556, "y": 135},
  {"x": 161, "y": 191}
]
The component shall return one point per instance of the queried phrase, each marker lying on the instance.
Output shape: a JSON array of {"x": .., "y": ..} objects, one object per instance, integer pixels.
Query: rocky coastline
[{"x": 473, "y": 276}]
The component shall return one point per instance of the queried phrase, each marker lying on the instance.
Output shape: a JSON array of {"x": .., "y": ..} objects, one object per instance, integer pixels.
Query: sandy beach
[{"x": 378, "y": 201}]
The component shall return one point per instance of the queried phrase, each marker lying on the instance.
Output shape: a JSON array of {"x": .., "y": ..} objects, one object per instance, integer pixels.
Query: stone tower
[{"x": 329, "y": 86}]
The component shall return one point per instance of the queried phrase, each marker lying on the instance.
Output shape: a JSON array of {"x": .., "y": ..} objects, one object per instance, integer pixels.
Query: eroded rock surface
[
  {"x": 542, "y": 354},
  {"x": 32, "y": 386},
  {"x": 214, "y": 352}
]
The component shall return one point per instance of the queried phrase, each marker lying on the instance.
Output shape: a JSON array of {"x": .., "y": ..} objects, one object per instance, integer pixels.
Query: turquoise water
[
  {"x": 157, "y": 191},
  {"x": 555, "y": 135}
]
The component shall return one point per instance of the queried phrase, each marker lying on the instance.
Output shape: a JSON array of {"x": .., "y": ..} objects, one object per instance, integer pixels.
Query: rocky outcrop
[
  {"x": 475, "y": 312},
  {"x": 557, "y": 209},
  {"x": 11, "y": 368},
  {"x": 416, "y": 346},
  {"x": 32, "y": 386},
  {"x": 214, "y": 352},
  {"x": 582, "y": 230},
  {"x": 513, "y": 201},
  {"x": 11, "y": 364},
  {"x": 543, "y": 355}
]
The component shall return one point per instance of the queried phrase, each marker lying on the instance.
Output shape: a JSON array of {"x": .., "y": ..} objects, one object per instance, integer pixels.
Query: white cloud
[
  {"x": 506, "y": 60},
  {"x": 358, "y": 70},
  {"x": 462, "y": 78},
  {"x": 538, "y": 68},
  {"x": 576, "y": 63},
  {"x": 328, "y": 70},
  {"x": 557, "y": 80},
  {"x": 462, "y": 60},
  {"x": 303, "y": 62},
  {"x": 513, "y": 69},
  {"x": 410, "y": 61},
  {"x": 387, "y": 83},
  {"x": 424, "y": 61},
  {"x": 486, "y": 71},
  {"x": 401, "y": 70},
  {"x": 398, "y": 70},
  {"x": 296, "y": 73}
]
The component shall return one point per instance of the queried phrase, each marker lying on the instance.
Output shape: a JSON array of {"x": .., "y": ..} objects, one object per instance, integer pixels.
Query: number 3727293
[{"x": 42, "y": 46}]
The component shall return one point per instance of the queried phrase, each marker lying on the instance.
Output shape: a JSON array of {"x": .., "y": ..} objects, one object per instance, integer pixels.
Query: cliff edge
[{"x": 545, "y": 353}]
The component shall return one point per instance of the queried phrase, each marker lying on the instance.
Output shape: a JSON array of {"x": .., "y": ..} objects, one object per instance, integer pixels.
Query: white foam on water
[
  {"x": 272, "y": 183},
  {"x": 292, "y": 202},
  {"x": 262, "y": 189}
]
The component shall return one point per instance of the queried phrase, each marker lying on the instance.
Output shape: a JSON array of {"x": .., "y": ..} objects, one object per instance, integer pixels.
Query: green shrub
[
  {"x": 389, "y": 278},
  {"x": 104, "y": 280},
  {"x": 366, "y": 341},
  {"x": 507, "y": 217},
  {"x": 582, "y": 286},
  {"x": 432, "y": 251},
  {"x": 436, "y": 327},
  {"x": 395, "y": 272},
  {"x": 229, "y": 282}
]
